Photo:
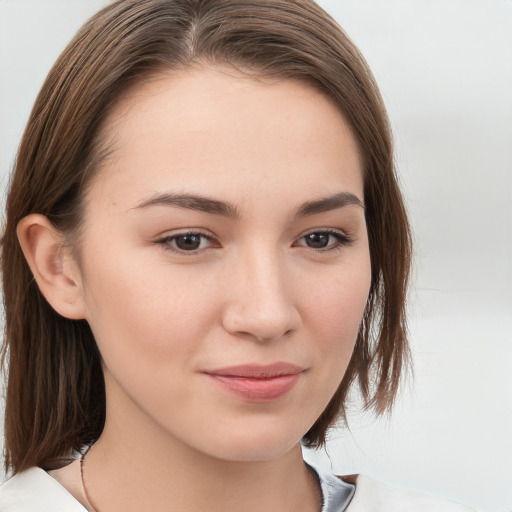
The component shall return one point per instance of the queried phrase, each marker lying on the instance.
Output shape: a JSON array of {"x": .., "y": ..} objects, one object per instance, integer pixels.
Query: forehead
[{"x": 208, "y": 128}]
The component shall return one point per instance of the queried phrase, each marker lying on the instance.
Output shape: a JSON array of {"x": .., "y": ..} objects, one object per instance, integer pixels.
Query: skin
[{"x": 254, "y": 291}]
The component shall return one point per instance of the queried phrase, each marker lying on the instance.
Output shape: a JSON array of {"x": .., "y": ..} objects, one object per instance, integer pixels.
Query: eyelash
[
  {"x": 342, "y": 240},
  {"x": 168, "y": 240}
]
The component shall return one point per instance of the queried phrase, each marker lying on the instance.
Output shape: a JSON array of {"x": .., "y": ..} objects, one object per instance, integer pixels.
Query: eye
[
  {"x": 324, "y": 240},
  {"x": 190, "y": 242}
]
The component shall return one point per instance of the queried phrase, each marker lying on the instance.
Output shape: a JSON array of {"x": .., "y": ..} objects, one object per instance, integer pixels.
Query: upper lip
[{"x": 258, "y": 371}]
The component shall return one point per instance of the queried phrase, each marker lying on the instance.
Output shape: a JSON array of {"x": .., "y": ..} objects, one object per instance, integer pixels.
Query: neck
[
  {"x": 135, "y": 466},
  {"x": 134, "y": 479}
]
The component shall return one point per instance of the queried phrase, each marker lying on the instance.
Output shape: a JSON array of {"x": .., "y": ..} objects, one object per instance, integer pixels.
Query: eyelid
[{"x": 170, "y": 233}]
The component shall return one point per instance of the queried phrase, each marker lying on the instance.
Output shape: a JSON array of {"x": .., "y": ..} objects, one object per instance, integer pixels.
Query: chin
[{"x": 254, "y": 446}]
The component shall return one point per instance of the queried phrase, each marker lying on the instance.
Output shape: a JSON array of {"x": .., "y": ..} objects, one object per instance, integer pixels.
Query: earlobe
[{"x": 52, "y": 265}]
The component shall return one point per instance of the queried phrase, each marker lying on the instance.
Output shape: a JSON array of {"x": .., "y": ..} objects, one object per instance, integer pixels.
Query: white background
[{"x": 445, "y": 70}]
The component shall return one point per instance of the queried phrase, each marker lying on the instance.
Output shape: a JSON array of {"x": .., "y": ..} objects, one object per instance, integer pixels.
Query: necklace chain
[{"x": 90, "y": 503}]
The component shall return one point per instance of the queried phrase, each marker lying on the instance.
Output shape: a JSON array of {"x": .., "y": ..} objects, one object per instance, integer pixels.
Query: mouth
[{"x": 257, "y": 383}]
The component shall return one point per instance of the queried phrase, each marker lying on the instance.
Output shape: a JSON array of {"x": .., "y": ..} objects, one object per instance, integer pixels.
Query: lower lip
[{"x": 257, "y": 390}]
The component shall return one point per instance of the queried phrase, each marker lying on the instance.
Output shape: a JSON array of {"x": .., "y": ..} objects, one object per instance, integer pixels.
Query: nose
[{"x": 260, "y": 301}]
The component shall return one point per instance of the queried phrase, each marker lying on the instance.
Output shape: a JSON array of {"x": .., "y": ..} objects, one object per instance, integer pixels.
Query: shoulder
[
  {"x": 34, "y": 490},
  {"x": 373, "y": 496}
]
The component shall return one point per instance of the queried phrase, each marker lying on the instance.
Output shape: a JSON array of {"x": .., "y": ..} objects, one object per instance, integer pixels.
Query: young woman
[{"x": 205, "y": 249}]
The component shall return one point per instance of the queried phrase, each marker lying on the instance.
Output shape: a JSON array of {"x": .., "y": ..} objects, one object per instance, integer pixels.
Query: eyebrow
[
  {"x": 216, "y": 207},
  {"x": 329, "y": 203},
  {"x": 192, "y": 202}
]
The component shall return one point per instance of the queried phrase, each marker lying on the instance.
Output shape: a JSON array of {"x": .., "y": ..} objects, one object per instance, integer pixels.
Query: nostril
[{"x": 263, "y": 339}]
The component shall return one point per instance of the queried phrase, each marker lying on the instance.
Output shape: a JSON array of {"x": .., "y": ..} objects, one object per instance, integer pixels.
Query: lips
[{"x": 257, "y": 383}]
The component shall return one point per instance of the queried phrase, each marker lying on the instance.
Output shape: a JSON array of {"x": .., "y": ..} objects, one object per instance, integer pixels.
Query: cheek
[
  {"x": 149, "y": 334},
  {"x": 334, "y": 314},
  {"x": 145, "y": 312},
  {"x": 337, "y": 303}
]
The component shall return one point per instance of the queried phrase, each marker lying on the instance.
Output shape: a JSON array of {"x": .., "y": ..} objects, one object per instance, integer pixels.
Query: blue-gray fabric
[{"x": 336, "y": 494}]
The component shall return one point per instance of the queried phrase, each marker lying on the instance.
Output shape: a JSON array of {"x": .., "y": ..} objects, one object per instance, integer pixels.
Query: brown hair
[{"x": 55, "y": 392}]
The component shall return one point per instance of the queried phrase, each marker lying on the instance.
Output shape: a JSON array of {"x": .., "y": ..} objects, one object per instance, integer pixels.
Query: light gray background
[{"x": 445, "y": 70}]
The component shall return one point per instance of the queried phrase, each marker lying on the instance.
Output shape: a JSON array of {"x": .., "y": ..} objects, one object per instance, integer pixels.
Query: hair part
[{"x": 55, "y": 394}]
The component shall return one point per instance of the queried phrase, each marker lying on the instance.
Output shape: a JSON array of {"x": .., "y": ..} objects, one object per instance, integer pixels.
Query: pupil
[
  {"x": 188, "y": 242},
  {"x": 317, "y": 240}
]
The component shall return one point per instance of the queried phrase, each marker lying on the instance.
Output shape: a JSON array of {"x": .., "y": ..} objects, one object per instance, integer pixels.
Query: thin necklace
[{"x": 92, "y": 506}]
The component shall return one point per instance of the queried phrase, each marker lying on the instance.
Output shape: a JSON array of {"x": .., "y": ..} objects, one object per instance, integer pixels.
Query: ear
[{"x": 55, "y": 271}]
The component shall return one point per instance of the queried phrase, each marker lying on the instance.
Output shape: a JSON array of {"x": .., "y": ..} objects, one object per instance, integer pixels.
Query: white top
[{"x": 35, "y": 490}]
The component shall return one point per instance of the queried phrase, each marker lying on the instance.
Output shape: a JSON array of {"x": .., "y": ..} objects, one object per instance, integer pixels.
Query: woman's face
[{"x": 225, "y": 261}]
